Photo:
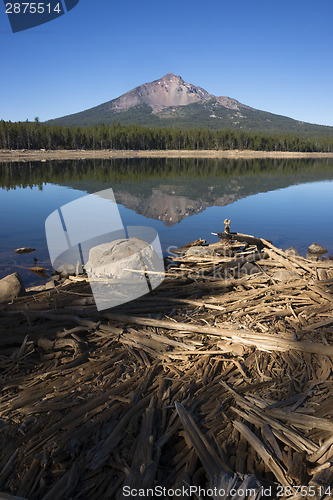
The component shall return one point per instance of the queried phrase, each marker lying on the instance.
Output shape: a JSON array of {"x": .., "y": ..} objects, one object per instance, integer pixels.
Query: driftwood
[
  {"x": 251, "y": 240},
  {"x": 221, "y": 377},
  {"x": 194, "y": 243}
]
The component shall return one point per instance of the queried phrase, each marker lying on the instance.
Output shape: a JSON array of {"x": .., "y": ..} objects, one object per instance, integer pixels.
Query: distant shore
[{"x": 43, "y": 155}]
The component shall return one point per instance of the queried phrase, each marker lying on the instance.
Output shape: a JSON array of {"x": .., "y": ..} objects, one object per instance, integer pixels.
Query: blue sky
[{"x": 272, "y": 55}]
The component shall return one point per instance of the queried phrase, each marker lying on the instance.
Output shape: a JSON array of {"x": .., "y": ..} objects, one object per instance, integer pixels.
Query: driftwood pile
[{"x": 221, "y": 379}]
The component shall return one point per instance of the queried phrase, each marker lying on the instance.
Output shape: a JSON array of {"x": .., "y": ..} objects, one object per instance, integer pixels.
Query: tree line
[
  {"x": 149, "y": 172},
  {"x": 37, "y": 135}
]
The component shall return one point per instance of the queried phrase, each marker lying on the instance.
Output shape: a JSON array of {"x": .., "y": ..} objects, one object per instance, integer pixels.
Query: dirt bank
[{"x": 33, "y": 155}]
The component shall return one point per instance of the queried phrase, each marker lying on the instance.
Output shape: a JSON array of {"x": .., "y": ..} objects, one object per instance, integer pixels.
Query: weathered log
[
  {"x": 246, "y": 337},
  {"x": 209, "y": 458},
  {"x": 251, "y": 240},
  {"x": 262, "y": 451},
  {"x": 194, "y": 243}
]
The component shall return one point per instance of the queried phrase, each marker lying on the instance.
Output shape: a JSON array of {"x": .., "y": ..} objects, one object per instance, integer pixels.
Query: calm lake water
[{"x": 289, "y": 202}]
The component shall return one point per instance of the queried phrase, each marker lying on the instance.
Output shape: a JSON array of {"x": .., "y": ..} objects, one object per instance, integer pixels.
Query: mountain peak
[
  {"x": 170, "y": 101},
  {"x": 168, "y": 91},
  {"x": 168, "y": 76}
]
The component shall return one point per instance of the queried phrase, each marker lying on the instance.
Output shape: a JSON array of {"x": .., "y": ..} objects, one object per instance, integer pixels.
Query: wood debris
[
  {"x": 24, "y": 250},
  {"x": 221, "y": 377}
]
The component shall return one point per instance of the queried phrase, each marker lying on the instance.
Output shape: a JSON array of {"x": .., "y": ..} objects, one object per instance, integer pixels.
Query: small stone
[
  {"x": 292, "y": 252},
  {"x": 312, "y": 256},
  {"x": 24, "y": 250},
  {"x": 317, "y": 249},
  {"x": 11, "y": 287},
  {"x": 284, "y": 275},
  {"x": 66, "y": 270}
]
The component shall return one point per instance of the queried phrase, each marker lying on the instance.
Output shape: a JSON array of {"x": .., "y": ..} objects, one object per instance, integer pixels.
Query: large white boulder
[
  {"x": 121, "y": 258},
  {"x": 123, "y": 270}
]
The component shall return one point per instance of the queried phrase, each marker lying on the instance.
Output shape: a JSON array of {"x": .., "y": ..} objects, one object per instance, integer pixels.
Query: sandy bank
[{"x": 33, "y": 155}]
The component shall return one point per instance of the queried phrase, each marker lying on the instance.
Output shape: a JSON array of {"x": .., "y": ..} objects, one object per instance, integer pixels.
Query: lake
[{"x": 289, "y": 202}]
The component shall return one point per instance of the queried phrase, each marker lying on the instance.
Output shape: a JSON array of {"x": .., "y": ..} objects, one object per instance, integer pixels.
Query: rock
[
  {"x": 311, "y": 256},
  {"x": 112, "y": 259},
  {"x": 292, "y": 252},
  {"x": 66, "y": 269},
  {"x": 122, "y": 270},
  {"x": 11, "y": 287},
  {"x": 24, "y": 250},
  {"x": 317, "y": 249},
  {"x": 38, "y": 269},
  {"x": 249, "y": 269},
  {"x": 284, "y": 275}
]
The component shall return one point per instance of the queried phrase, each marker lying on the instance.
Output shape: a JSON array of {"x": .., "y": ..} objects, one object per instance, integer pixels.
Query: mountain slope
[{"x": 172, "y": 102}]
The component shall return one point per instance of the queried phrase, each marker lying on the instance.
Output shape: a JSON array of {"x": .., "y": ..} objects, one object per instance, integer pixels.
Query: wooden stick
[
  {"x": 288, "y": 257},
  {"x": 209, "y": 458},
  {"x": 245, "y": 336},
  {"x": 262, "y": 451}
]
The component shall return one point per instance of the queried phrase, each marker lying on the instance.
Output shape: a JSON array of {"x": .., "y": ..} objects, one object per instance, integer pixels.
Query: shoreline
[{"x": 38, "y": 155}]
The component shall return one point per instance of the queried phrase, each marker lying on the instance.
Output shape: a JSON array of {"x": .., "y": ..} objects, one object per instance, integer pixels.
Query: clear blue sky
[{"x": 272, "y": 55}]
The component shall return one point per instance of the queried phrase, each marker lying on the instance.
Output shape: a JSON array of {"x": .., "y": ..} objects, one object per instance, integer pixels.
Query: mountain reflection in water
[{"x": 182, "y": 198}]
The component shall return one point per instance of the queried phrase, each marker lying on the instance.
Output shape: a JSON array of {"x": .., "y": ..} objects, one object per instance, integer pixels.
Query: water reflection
[{"x": 184, "y": 199}]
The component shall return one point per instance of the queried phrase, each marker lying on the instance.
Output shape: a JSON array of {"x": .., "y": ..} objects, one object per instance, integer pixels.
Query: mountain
[{"x": 172, "y": 102}]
